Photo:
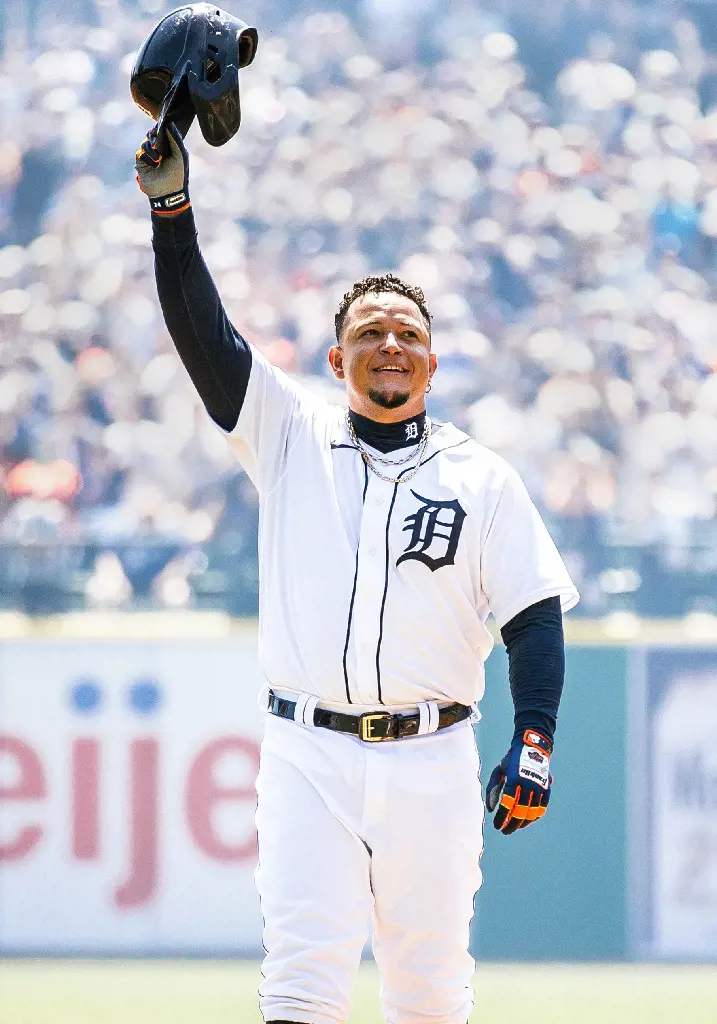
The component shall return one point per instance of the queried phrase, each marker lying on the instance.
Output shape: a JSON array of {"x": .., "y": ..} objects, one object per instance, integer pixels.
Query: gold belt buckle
[{"x": 368, "y": 726}]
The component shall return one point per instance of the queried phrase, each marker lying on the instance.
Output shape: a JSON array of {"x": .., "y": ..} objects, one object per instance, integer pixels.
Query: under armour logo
[
  {"x": 434, "y": 541},
  {"x": 411, "y": 430}
]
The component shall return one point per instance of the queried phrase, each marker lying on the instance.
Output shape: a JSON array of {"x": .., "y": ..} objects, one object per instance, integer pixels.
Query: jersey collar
[{"x": 388, "y": 437}]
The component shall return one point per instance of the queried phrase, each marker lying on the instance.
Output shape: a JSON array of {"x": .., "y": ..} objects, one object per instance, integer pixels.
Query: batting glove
[
  {"x": 165, "y": 179},
  {"x": 523, "y": 777}
]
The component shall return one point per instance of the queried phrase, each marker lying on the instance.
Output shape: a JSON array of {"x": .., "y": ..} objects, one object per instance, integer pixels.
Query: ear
[
  {"x": 432, "y": 364},
  {"x": 336, "y": 361}
]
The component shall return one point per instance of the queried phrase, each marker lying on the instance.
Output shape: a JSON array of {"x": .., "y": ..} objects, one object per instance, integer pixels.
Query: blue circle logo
[
  {"x": 86, "y": 696},
  {"x": 145, "y": 696}
]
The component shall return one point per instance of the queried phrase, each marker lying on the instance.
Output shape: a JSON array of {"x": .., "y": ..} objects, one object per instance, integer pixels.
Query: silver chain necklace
[{"x": 418, "y": 452}]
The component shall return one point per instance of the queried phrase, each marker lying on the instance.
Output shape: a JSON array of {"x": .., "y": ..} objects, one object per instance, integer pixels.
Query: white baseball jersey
[{"x": 378, "y": 593}]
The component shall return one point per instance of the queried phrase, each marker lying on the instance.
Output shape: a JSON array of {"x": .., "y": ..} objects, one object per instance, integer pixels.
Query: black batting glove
[
  {"x": 164, "y": 179},
  {"x": 523, "y": 777}
]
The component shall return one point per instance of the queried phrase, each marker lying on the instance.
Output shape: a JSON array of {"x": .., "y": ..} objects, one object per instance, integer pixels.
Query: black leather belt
[{"x": 374, "y": 726}]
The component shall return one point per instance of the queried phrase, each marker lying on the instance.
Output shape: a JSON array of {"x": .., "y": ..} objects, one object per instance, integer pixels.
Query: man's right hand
[{"x": 164, "y": 179}]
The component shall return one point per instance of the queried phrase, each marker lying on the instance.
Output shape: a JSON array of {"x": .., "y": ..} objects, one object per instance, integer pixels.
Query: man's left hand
[{"x": 524, "y": 779}]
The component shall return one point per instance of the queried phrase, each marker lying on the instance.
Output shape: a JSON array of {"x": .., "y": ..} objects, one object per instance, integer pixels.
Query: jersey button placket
[{"x": 370, "y": 584}]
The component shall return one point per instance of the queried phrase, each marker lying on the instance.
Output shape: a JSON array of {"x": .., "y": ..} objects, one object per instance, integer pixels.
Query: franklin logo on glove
[{"x": 523, "y": 777}]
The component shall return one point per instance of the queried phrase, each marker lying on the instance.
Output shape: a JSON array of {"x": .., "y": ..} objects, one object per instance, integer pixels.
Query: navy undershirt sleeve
[
  {"x": 215, "y": 355},
  {"x": 536, "y": 665}
]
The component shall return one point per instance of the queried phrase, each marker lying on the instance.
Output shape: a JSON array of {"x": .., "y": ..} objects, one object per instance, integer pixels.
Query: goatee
[{"x": 388, "y": 401}]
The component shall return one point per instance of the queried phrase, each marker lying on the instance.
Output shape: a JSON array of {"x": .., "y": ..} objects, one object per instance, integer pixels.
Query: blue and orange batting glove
[
  {"x": 523, "y": 777},
  {"x": 164, "y": 179}
]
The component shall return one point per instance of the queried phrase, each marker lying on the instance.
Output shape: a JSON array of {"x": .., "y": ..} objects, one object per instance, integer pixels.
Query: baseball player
[{"x": 385, "y": 541}]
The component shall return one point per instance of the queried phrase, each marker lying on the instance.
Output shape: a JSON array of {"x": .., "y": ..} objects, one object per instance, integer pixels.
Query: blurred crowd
[{"x": 548, "y": 175}]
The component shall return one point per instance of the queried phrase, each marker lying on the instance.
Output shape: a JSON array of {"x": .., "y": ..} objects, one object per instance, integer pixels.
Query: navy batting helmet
[{"x": 189, "y": 66}]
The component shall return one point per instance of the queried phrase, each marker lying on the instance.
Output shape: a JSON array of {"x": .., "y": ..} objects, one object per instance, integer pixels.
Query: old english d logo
[{"x": 435, "y": 530}]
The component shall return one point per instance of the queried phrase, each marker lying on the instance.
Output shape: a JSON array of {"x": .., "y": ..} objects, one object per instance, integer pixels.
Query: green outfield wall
[
  {"x": 624, "y": 865},
  {"x": 558, "y": 890}
]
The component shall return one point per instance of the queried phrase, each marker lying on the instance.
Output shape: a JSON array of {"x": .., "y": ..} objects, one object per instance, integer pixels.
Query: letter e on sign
[
  {"x": 29, "y": 785},
  {"x": 204, "y": 793}
]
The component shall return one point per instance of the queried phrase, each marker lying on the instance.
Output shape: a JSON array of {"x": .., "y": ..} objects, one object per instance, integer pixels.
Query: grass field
[{"x": 178, "y": 992}]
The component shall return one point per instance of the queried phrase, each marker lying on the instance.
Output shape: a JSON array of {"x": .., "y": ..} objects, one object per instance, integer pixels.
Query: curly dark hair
[{"x": 385, "y": 283}]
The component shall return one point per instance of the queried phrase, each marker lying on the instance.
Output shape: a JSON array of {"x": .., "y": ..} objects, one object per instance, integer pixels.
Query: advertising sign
[
  {"x": 127, "y": 796},
  {"x": 673, "y": 776}
]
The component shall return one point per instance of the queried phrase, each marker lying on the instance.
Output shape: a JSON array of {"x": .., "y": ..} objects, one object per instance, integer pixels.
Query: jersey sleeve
[
  {"x": 273, "y": 412},
  {"x": 214, "y": 354},
  {"x": 519, "y": 561}
]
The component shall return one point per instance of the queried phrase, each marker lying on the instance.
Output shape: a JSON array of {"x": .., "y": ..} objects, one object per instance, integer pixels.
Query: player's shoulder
[{"x": 311, "y": 394}]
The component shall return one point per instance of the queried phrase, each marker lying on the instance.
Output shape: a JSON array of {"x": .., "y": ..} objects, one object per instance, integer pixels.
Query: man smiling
[
  {"x": 385, "y": 542},
  {"x": 384, "y": 349}
]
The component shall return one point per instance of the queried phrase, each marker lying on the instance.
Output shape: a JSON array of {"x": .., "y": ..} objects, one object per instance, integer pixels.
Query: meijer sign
[{"x": 127, "y": 796}]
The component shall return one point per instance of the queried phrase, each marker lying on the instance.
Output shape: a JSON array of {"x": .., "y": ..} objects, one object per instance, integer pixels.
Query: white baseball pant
[{"x": 348, "y": 829}]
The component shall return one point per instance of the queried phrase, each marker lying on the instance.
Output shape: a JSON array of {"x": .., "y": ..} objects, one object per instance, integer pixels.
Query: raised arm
[{"x": 215, "y": 355}]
